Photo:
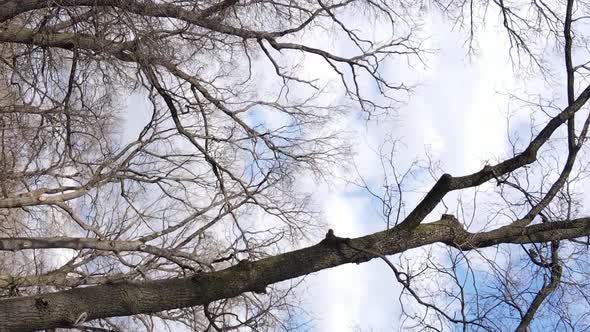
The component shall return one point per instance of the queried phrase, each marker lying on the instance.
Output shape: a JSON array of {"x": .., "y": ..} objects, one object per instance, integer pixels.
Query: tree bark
[{"x": 62, "y": 309}]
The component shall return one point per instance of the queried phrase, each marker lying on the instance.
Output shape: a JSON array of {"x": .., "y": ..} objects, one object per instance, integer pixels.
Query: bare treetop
[{"x": 190, "y": 218}]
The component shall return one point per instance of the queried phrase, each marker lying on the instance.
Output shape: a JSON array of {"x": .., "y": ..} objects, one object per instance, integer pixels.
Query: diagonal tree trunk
[{"x": 64, "y": 309}]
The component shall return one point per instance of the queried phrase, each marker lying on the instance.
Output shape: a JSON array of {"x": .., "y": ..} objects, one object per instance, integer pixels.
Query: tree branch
[{"x": 60, "y": 309}]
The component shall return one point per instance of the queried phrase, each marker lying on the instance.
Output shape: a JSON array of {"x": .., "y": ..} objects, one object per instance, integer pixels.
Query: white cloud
[
  {"x": 458, "y": 115},
  {"x": 351, "y": 295}
]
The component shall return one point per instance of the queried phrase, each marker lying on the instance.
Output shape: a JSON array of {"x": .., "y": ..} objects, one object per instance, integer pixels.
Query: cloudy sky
[{"x": 458, "y": 114}]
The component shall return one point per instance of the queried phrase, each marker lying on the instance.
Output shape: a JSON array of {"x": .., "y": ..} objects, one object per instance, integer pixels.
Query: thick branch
[
  {"x": 544, "y": 292},
  {"x": 121, "y": 299},
  {"x": 150, "y": 9},
  {"x": 448, "y": 183},
  {"x": 39, "y": 197}
]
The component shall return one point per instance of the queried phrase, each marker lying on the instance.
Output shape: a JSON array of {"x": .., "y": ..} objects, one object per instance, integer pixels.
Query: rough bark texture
[{"x": 62, "y": 309}]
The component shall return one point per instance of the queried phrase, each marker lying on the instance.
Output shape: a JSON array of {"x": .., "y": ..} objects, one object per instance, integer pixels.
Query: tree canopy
[{"x": 153, "y": 156}]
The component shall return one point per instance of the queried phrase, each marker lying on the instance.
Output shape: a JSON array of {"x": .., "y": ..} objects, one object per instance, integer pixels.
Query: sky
[{"x": 457, "y": 113}]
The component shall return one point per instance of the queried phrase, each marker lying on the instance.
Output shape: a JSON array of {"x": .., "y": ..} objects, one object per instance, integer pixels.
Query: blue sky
[{"x": 457, "y": 113}]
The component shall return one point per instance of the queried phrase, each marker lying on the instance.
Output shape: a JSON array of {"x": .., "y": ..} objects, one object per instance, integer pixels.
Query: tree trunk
[{"x": 63, "y": 309}]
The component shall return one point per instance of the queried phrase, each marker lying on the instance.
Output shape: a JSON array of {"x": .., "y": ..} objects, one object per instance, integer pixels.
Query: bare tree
[{"x": 186, "y": 222}]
